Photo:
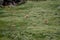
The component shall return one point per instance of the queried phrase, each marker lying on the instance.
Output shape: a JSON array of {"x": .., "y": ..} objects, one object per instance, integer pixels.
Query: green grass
[{"x": 31, "y": 21}]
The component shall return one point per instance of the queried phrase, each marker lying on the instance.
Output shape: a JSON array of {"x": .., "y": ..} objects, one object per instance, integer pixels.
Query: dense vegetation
[
  {"x": 31, "y": 21},
  {"x": 11, "y": 2}
]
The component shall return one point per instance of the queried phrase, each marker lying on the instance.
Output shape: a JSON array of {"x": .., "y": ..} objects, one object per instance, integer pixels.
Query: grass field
[{"x": 31, "y": 21}]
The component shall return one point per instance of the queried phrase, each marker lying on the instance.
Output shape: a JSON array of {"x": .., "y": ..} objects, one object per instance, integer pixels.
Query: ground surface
[{"x": 31, "y": 21}]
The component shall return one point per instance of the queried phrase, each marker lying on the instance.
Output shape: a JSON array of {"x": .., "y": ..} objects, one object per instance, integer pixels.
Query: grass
[{"x": 31, "y": 21}]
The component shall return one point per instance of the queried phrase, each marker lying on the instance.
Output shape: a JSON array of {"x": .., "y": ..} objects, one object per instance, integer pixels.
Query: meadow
[{"x": 34, "y": 20}]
